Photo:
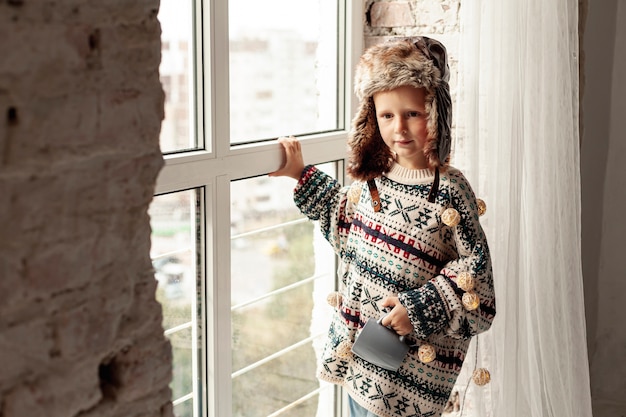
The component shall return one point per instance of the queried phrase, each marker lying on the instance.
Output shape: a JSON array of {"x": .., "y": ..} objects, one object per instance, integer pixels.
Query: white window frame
[{"x": 213, "y": 170}]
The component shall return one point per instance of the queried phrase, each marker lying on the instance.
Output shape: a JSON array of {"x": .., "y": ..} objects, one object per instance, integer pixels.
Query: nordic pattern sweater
[{"x": 403, "y": 250}]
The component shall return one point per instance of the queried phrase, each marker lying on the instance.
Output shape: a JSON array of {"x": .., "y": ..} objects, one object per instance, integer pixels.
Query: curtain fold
[{"x": 518, "y": 143}]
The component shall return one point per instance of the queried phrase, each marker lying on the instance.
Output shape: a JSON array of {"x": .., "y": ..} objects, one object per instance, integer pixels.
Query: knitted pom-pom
[
  {"x": 470, "y": 300},
  {"x": 354, "y": 193},
  {"x": 426, "y": 353},
  {"x": 334, "y": 299},
  {"x": 451, "y": 217},
  {"x": 465, "y": 281},
  {"x": 344, "y": 349},
  {"x": 482, "y": 206},
  {"x": 481, "y": 376}
]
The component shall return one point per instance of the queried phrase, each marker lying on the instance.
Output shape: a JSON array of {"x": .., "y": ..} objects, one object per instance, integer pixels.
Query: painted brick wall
[
  {"x": 80, "y": 112},
  {"x": 438, "y": 19}
]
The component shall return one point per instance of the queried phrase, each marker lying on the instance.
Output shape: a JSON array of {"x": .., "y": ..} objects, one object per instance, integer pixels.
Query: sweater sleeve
[
  {"x": 438, "y": 305},
  {"x": 321, "y": 198}
]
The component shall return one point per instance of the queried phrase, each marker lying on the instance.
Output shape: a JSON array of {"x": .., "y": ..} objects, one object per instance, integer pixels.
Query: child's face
[{"x": 401, "y": 120}]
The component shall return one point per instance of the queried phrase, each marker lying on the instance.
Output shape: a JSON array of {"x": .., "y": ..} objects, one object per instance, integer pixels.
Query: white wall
[
  {"x": 603, "y": 171},
  {"x": 81, "y": 105}
]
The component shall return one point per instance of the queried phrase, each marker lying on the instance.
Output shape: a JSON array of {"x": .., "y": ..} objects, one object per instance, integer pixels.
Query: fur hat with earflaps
[{"x": 420, "y": 62}]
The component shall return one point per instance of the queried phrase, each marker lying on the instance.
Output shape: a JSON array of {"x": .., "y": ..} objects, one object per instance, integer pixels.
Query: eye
[
  {"x": 386, "y": 116},
  {"x": 415, "y": 114}
]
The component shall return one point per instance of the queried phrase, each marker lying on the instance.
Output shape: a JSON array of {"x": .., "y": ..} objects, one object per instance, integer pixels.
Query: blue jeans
[{"x": 357, "y": 411}]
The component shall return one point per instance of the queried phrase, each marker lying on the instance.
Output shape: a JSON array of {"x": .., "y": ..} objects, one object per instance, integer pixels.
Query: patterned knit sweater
[{"x": 403, "y": 250}]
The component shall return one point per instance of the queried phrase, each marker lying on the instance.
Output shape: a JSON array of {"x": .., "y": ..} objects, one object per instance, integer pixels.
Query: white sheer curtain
[{"x": 517, "y": 128}]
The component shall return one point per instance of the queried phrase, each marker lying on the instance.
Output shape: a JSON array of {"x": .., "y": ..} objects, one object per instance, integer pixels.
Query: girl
[{"x": 407, "y": 232}]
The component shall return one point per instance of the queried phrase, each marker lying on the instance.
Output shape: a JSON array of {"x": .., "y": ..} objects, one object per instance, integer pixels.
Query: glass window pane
[
  {"x": 270, "y": 325},
  {"x": 175, "y": 242},
  {"x": 184, "y": 409},
  {"x": 283, "y": 68},
  {"x": 182, "y": 352},
  {"x": 177, "y": 63},
  {"x": 277, "y": 384},
  {"x": 281, "y": 273}
]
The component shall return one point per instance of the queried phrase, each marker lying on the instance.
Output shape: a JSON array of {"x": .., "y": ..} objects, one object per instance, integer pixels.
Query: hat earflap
[
  {"x": 444, "y": 122},
  {"x": 439, "y": 129},
  {"x": 369, "y": 156}
]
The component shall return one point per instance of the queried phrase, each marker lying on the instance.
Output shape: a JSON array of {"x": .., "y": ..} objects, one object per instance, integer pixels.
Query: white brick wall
[
  {"x": 80, "y": 112},
  {"x": 410, "y": 18}
]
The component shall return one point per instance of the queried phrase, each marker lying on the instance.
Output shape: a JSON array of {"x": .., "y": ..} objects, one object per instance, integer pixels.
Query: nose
[{"x": 400, "y": 125}]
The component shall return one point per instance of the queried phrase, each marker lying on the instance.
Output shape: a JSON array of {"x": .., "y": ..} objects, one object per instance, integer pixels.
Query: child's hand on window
[{"x": 293, "y": 164}]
